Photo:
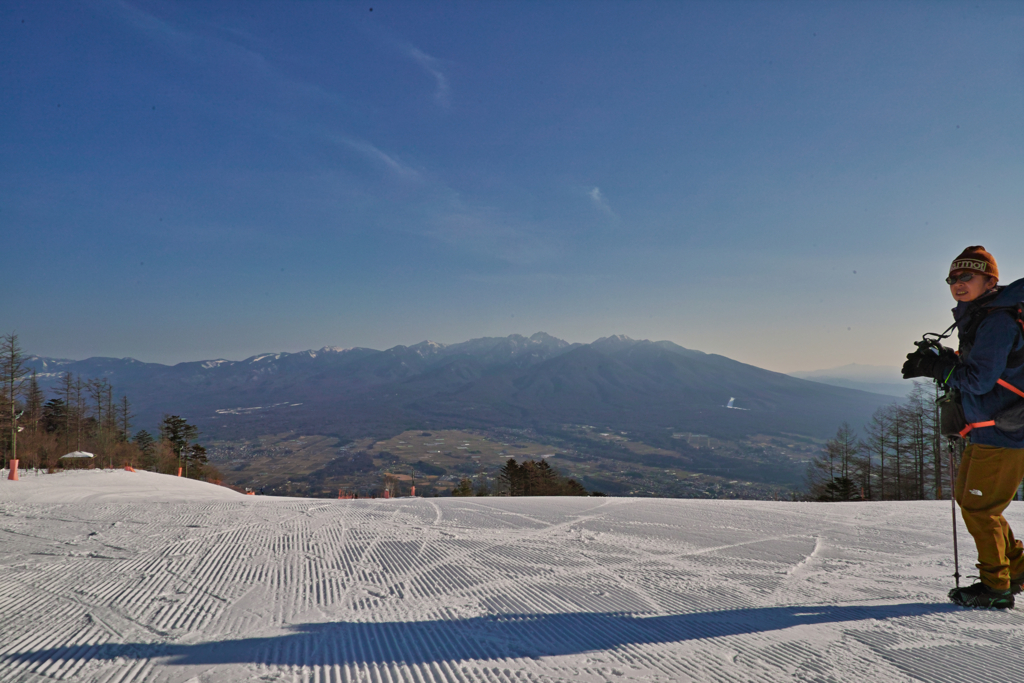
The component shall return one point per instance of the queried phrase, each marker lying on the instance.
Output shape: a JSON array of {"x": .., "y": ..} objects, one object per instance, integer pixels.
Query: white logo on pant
[{"x": 976, "y": 492}]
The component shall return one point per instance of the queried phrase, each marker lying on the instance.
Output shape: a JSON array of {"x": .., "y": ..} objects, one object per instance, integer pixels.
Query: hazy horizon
[{"x": 335, "y": 347}]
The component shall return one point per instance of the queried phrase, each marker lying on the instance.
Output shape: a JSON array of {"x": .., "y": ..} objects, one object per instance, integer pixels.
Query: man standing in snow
[{"x": 988, "y": 372}]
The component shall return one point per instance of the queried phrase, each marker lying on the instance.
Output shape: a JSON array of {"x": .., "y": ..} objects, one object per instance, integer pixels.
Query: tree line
[
  {"x": 83, "y": 415},
  {"x": 529, "y": 478},
  {"x": 901, "y": 456}
]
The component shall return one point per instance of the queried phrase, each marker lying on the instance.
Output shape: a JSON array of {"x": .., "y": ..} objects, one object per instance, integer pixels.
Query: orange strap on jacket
[
  {"x": 968, "y": 428},
  {"x": 1006, "y": 385},
  {"x": 991, "y": 423}
]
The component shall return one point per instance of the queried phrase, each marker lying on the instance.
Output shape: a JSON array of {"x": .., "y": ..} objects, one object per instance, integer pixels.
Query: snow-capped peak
[{"x": 333, "y": 349}]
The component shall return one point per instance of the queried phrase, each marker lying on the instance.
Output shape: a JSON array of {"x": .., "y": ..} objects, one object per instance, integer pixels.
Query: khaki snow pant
[{"x": 985, "y": 484}]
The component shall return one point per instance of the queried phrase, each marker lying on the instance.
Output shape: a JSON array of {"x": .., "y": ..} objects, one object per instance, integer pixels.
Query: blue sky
[{"x": 784, "y": 183}]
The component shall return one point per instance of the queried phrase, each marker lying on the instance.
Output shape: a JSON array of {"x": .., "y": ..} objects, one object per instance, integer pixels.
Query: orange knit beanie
[{"x": 976, "y": 259}]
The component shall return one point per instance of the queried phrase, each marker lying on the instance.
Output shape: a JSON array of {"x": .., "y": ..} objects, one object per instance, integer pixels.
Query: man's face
[{"x": 973, "y": 288}]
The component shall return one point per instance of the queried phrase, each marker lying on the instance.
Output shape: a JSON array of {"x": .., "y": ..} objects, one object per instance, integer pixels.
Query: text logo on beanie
[{"x": 976, "y": 259}]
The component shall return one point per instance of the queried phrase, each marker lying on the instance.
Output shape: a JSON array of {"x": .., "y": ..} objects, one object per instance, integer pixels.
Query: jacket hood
[{"x": 1010, "y": 295}]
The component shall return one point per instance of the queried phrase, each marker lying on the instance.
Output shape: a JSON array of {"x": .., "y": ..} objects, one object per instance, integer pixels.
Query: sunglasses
[{"x": 962, "y": 277}]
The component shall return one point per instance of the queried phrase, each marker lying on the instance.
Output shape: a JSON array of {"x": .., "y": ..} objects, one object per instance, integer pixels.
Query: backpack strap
[
  {"x": 966, "y": 430},
  {"x": 991, "y": 423},
  {"x": 1015, "y": 358}
]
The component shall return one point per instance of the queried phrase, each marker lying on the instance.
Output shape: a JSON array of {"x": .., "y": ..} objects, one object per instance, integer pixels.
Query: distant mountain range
[
  {"x": 879, "y": 379},
  {"x": 537, "y": 382}
]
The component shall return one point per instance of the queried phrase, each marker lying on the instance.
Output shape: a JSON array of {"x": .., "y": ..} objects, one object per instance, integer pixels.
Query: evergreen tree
[
  {"x": 54, "y": 419},
  {"x": 511, "y": 477},
  {"x": 144, "y": 440},
  {"x": 465, "y": 488},
  {"x": 195, "y": 460},
  {"x": 529, "y": 478},
  {"x": 536, "y": 479},
  {"x": 574, "y": 488},
  {"x": 547, "y": 483},
  {"x": 177, "y": 432},
  {"x": 145, "y": 443},
  {"x": 840, "y": 489}
]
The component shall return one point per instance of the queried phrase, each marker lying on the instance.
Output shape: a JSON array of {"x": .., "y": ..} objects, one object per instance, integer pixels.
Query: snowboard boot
[{"x": 980, "y": 595}]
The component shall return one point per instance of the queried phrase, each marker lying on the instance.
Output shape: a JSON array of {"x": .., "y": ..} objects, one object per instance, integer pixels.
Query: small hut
[{"x": 77, "y": 460}]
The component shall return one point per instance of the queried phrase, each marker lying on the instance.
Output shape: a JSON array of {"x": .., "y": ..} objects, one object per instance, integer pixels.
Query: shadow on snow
[{"x": 490, "y": 637}]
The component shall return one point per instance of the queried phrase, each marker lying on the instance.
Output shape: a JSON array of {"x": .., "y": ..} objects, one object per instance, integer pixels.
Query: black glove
[{"x": 930, "y": 361}]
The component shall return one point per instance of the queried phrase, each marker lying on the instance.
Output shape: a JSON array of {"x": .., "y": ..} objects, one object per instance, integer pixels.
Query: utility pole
[{"x": 14, "y": 434}]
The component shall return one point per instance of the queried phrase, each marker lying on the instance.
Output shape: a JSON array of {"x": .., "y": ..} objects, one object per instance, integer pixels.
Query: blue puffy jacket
[{"x": 984, "y": 362}]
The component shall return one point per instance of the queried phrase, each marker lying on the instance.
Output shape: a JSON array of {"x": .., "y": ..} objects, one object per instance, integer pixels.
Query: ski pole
[{"x": 952, "y": 503}]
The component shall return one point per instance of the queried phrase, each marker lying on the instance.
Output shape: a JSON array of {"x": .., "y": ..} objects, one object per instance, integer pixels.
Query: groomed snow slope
[
  {"x": 150, "y": 578},
  {"x": 113, "y": 486}
]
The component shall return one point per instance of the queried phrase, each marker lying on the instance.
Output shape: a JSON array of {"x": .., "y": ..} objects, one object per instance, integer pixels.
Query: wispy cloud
[
  {"x": 206, "y": 48},
  {"x": 600, "y": 201},
  {"x": 426, "y": 204},
  {"x": 432, "y": 66},
  {"x": 383, "y": 159}
]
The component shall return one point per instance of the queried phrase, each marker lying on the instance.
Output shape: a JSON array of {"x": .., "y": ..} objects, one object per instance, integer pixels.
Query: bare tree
[
  {"x": 935, "y": 425},
  {"x": 66, "y": 389},
  {"x": 905, "y": 441},
  {"x": 80, "y": 409},
  {"x": 878, "y": 444},
  {"x": 898, "y": 436},
  {"x": 34, "y": 400},
  {"x": 848, "y": 448},
  {"x": 125, "y": 415},
  {"x": 919, "y": 442},
  {"x": 831, "y": 474},
  {"x": 111, "y": 422},
  {"x": 12, "y": 379},
  {"x": 95, "y": 389}
]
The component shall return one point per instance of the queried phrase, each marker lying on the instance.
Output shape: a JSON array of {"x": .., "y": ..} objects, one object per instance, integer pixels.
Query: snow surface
[{"x": 117, "y": 577}]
